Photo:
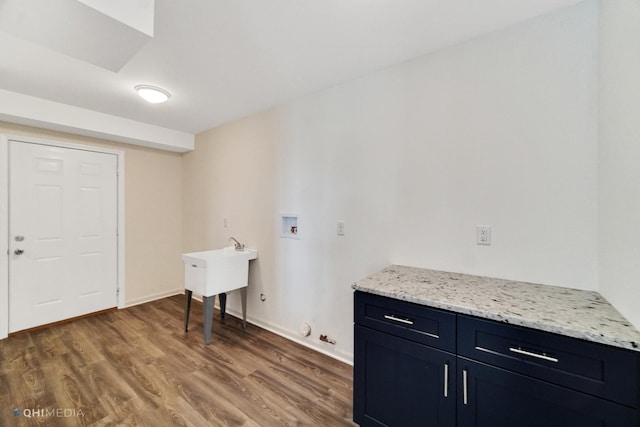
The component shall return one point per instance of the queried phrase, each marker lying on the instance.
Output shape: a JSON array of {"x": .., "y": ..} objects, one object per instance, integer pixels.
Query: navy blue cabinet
[
  {"x": 404, "y": 364},
  {"x": 587, "y": 367},
  {"x": 413, "y": 384},
  {"x": 418, "y": 366},
  {"x": 495, "y": 397}
]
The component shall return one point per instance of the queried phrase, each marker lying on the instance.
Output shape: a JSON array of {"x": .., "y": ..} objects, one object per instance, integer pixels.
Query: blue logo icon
[{"x": 16, "y": 412}]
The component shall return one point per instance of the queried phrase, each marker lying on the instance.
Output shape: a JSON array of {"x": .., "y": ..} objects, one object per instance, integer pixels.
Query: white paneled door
[{"x": 63, "y": 233}]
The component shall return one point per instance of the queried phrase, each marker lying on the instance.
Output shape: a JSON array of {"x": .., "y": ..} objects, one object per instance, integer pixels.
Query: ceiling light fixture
[{"x": 152, "y": 94}]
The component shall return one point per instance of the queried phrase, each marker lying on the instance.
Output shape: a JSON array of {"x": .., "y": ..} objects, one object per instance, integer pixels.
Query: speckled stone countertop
[{"x": 571, "y": 312}]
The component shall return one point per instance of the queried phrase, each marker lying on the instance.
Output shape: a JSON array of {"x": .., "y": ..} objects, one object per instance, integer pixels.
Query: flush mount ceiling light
[{"x": 152, "y": 94}]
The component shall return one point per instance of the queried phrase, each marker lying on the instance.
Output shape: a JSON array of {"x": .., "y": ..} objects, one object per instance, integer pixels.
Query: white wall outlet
[
  {"x": 226, "y": 222},
  {"x": 483, "y": 235},
  {"x": 340, "y": 228}
]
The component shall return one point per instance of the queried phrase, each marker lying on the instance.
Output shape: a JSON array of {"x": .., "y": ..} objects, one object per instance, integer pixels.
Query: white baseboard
[
  {"x": 154, "y": 297},
  {"x": 293, "y": 336}
]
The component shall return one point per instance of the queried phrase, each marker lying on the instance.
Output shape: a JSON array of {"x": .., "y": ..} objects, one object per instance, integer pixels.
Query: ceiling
[{"x": 225, "y": 59}]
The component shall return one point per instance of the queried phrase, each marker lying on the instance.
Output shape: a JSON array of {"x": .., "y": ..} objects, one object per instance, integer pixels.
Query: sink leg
[
  {"x": 243, "y": 298},
  {"x": 187, "y": 310},
  {"x": 208, "y": 317},
  {"x": 223, "y": 304}
]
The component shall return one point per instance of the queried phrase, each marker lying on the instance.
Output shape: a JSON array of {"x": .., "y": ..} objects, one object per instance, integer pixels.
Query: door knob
[{"x": 18, "y": 251}]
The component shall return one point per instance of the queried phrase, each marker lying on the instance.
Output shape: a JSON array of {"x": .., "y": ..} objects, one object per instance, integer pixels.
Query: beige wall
[
  {"x": 230, "y": 175},
  {"x": 499, "y": 131},
  {"x": 153, "y": 213}
]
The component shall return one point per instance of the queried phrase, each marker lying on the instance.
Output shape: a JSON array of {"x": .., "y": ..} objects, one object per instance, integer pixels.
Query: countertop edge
[{"x": 507, "y": 319}]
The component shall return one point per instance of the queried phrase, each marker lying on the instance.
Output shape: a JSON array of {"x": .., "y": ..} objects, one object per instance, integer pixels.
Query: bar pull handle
[
  {"x": 446, "y": 380},
  {"x": 398, "y": 319},
  {"x": 542, "y": 356},
  {"x": 465, "y": 390}
]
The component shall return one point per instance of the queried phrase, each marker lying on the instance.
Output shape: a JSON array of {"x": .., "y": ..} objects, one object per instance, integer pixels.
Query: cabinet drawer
[
  {"x": 588, "y": 367},
  {"x": 415, "y": 322}
]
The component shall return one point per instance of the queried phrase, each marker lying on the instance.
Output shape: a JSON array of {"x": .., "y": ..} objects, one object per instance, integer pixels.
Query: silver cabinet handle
[
  {"x": 397, "y": 319},
  {"x": 446, "y": 380},
  {"x": 542, "y": 356},
  {"x": 18, "y": 251},
  {"x": 465, "y": 399}
]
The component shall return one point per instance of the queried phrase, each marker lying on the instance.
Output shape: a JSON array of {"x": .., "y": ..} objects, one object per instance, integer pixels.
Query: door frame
[{"x": 4, "y": 215}]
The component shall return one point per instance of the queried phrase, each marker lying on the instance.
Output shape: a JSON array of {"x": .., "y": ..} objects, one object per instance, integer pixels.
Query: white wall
[
  {"x": 498, "y": 131},
  {"x": 619, "y": 156},
  {"x": 502, "y": 131}
]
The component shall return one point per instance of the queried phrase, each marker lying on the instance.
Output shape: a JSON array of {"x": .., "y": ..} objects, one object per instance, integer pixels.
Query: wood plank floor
[{"x": 137, "y": 367}]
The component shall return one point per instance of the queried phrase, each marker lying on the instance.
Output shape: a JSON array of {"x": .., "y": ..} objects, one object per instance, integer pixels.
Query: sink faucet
[{"x": 239, "y": 246}]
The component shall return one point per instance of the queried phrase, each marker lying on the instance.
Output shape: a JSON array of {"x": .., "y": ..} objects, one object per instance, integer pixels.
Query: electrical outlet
[
  {"x": 483, "y": 235},
  {"x": 340, "y": 228},
  {"x": 226, "y": 222}
]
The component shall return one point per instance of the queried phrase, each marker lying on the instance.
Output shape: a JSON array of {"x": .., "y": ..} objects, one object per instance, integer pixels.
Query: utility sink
[{"x": 217, "y": 271}]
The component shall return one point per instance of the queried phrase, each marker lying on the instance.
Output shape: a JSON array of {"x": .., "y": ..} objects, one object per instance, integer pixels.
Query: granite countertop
[{"x": 571, "y": 312}]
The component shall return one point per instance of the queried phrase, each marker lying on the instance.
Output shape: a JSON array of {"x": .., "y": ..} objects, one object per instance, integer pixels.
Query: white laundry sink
[
  {"x": 211, "y": 273},
  {"x": 217, "y": 271}
]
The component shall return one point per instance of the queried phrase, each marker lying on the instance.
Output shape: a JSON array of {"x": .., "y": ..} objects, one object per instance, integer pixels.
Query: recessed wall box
[{"x": 290, "y": 228}]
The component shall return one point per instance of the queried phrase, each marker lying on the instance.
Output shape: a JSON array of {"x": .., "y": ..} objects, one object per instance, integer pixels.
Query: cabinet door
[
  {"x": 398, "y": 382},
  {"x": 493, "y": 397}
]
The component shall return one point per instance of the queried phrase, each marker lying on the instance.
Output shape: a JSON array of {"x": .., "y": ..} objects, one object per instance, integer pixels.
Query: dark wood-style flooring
[{"x": 137, "y": 367}]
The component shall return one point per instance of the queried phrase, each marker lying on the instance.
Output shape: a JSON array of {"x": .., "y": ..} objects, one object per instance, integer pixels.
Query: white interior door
[{"x": 62, "y": 233}]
